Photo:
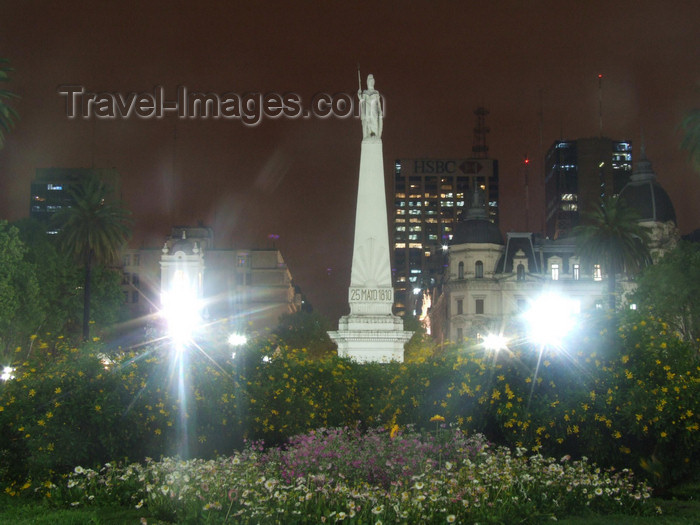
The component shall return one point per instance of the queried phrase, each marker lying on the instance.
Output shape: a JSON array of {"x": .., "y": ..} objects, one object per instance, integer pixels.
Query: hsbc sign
[{"x": 450, "y": 166}]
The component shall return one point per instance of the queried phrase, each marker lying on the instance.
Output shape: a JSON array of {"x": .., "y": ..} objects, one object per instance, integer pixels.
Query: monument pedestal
[{"x": 371, "y": 333}]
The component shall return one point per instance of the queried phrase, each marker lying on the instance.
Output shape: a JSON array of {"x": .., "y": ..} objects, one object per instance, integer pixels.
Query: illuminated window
[
  {"x": 400, "y": 245},
  {"x": 577, "y": 272},
  {"x": 555, "y": 272},
  {"x": 521, "y": 272},
  {"x": 597, "y": 272},
  {"x": 479, "y": 270}
]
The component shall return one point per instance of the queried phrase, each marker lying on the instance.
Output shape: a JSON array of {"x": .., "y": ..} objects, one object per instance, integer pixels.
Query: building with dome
[
  {"x": 491, "y": 280},
  {"x": 647, "y": 197}
]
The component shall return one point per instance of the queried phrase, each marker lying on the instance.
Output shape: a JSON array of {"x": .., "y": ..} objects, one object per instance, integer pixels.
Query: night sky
[{"x": 533, "y": 65}]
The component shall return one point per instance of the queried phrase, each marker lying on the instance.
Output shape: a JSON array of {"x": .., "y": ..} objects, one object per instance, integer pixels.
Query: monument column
[{"x": 371, "y": 333}]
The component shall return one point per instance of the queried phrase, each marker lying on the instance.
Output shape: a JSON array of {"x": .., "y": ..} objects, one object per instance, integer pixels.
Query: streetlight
[
  {"x": 181, "y": 311},
  {"x": 236, "y": 340},
  {"x": 7, "y": 373},
  {"x": 550, "y": 318},
  {"x": 494, "y": 342}
]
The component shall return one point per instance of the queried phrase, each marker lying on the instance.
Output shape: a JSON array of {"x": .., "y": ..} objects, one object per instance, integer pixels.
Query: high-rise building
[
  {"x": 429, "y": 198},
  {"x": 50, "y": 189},
  {"x": 577, "y": 174}
]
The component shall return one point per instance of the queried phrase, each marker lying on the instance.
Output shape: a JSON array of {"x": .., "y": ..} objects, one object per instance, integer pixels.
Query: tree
[
  {"x": 612, "y": 237},
  {"x": 20, "y": 310},
  {"x": 691, "y": 139},
  {"x": 58, "y": 278},
  {"x": 7, "y": 114},
  {"x": 671, "y": 287},
  {"x": 92, "y": 229},
  {"x": 307, "y": 330}
]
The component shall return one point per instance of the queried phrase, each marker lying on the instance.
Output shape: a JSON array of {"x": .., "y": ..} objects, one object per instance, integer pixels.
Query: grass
[{"x": 25, "y": 512}]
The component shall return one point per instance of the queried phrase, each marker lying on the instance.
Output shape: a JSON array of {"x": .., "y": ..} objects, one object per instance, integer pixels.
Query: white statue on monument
[
  {"x": 370, "y": 110},
  {"x": 371, "y": 332}
]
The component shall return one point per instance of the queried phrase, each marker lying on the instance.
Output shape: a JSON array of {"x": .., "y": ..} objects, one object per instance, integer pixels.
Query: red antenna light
[{"x": 600, "y": 76}]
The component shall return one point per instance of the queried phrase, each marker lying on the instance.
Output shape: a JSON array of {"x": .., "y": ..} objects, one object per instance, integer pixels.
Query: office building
[
  {"x": 50, "y": 189},
  {"x": 429, "y": 198},
  {"x": 577, "y": 174}
]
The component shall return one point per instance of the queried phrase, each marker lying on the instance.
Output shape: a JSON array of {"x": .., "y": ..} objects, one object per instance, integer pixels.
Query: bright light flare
[
  {"x": 181, "y": 310},
  {"x": 550, "y": 318},
  {"x": 7, "y": 373},
  {"x": 494, "y": 342},
  {"x": 237, "y": 339}
]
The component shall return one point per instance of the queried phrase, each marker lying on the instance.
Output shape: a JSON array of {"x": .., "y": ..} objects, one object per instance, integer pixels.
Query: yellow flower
[
  {"x": 98, "y": 408},
  {"x": 394, "y": 431},
  {"x": 32, "y": 393},
  {"x": 436, "y": 418},
  {"x": 58, "y": 390}
]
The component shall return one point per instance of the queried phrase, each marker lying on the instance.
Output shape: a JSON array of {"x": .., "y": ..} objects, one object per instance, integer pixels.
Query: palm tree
[
  {"x": 7, "y": 114},
  {"x": 612, "y": 237},
  {"x": 93, "y": 230}
]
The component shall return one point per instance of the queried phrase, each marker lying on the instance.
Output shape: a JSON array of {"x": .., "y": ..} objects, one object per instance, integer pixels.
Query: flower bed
[{"x": 342, "y": 475}]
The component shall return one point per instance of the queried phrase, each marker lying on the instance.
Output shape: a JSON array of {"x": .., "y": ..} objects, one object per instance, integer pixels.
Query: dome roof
[
  {"x": 184, "y": 245},
  {"x": 645, "y": 195},
  {"x": 477, "y": 228}
]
